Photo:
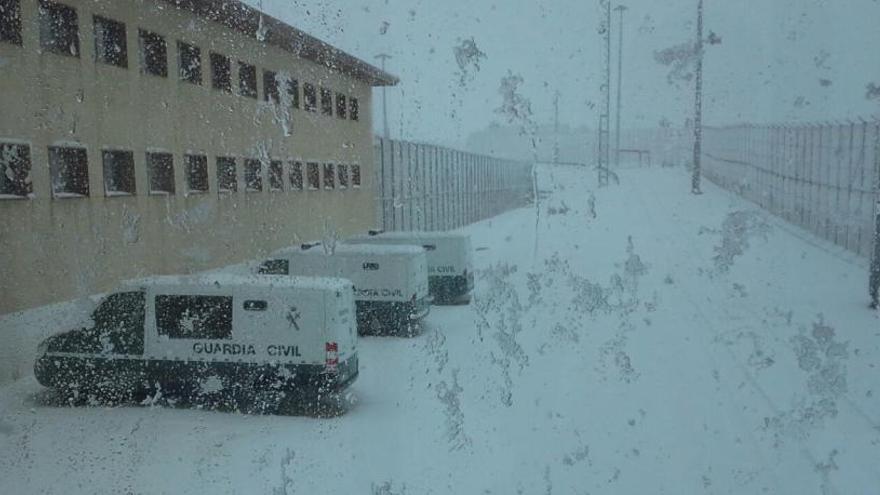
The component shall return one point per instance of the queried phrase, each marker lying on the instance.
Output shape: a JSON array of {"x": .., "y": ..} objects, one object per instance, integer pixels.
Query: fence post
[
  {"x": 802, "y": 175},
  {"x": 811, "y": 179},
  {"x": 874, "y": 284},
  {"x": 378, "y": 181},
  {"x": 824, "y": 173},
  {"x": 849, "y": 184},
  {"x": 862, "y": 238}
]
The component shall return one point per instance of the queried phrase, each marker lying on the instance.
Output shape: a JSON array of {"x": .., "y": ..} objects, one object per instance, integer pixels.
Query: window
[
  {"x": 111, "y": 46},
  {"x": 15, "y": 171},
  {"x": 194, "y": 317},
  {"x": 59, "y": 28},
  {"x": 227, "y": 182},
  {"x": 326, "y": 102},
  {"x": 154, "y": 54},
  {"x": 196, "y": 173},
  {"x": 160, "y": 173},
  {"x": 329, "y": 178},
  {"x": 296, "y": 176},
  {"x": 293, "y": 91},
  {"x": 270, "y": 87},
  {"x": 10, "y": 21},
  {"x": 247, "y": 80},
  {"x": 69, "y": 168},
  {"x": 310, "y": 97},
  {"x": 275, "y": 267},
  {"x": 356, "y": 176},
  {"x": 314, "y": 175},
  {"x": 253, "y": 175},
  {"x": 221, "y": 72},
  {"x": 118, "y": 173},
  {"x": 255, "y": 305},
  {"x": 353, "y": 108},
  {"x": 276, "y": 176},
  {"x": 190, "y": 60},
  {"x": 342, "y": 173},
  {"x": 341, "y": 106}
]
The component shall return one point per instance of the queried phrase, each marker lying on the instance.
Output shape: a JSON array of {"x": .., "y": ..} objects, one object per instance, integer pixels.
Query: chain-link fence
[
  {"x": 426, "y": 187},
  {"x": 821, "y": 177}
]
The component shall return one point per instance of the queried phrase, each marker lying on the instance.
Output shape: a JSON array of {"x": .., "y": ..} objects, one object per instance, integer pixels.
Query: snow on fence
[
  {"x": 426, "y": 187},
  {"x": 821, "y": 177}
]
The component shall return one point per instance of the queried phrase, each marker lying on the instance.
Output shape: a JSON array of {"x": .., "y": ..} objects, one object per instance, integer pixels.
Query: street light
[
  {"x": 621, "y": 9},
  {"x": 383, "y": 57},
  {"x": 556, "y": 126},
  {"x": 698, "y": 105}
]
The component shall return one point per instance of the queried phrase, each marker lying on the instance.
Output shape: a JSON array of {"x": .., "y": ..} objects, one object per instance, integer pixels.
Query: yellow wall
[{"x": 58, "y": 249}]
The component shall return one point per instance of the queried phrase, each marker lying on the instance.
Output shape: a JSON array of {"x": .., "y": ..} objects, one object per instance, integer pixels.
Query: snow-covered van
[
  {"x": 450, "y": 260},
  {"x": 390, "y": 282},
  {"x": 212, "y": 333}
]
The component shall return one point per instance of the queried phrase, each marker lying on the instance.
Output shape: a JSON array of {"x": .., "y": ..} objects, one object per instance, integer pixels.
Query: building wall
[{"x": 56, "y": 249}]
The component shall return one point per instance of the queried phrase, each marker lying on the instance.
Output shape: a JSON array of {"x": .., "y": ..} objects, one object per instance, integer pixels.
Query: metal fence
[
  {"x": 822, "y": 177},
  {"x": 661, "y": 146},
  {"x": 426, "y": 187}
]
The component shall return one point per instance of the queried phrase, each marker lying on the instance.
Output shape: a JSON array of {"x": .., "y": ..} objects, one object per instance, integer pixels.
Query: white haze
[{"x": 780, "y": 60}]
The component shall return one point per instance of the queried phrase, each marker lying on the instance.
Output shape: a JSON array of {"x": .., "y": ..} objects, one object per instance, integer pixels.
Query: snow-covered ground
[{"x": 650, "y": 341}]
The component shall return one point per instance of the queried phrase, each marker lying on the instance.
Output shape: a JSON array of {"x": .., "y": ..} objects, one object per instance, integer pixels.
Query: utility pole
[
  {"x": 383, "y": 57},
  {"x": 698, "y": 104},
  {"x": 556, "y": 127},
  {"x": 605, "y": 92},
  {"x": 620, "y": 9}
]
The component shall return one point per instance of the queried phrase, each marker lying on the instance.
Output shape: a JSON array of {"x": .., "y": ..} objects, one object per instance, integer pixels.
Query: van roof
[
  {"x": 369, "y": 249},
  {"x": 235, "y": 279}
]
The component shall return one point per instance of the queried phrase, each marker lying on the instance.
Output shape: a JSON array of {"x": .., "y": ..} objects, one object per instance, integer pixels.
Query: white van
[
  {"x": 213, "y": 334},
  {"x": 390, "y": 282},
  {"x": 450, "y": 260}
]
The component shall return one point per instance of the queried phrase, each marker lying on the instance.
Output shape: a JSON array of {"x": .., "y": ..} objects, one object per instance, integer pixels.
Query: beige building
[{"x": 153, "y": 137}]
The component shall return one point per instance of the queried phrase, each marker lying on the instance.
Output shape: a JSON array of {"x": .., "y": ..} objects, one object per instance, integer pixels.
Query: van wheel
[
  {"x": 315, "y": 405},
  {"x": 375, "y": 324},
  {"x": 71, "y": 395},
  {"x": 264, "y": 402},
  {"x": 331, "y": 405},
  {"x": 292, "y": 403},
  {"x": 409, "y": 328}
]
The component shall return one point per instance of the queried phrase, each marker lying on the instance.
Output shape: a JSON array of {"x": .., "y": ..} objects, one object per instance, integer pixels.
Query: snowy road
[{"x": 670, "y": 344}]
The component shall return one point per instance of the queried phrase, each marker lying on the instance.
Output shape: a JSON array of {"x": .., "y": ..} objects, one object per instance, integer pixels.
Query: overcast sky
[{"x": 780, "y": 60}]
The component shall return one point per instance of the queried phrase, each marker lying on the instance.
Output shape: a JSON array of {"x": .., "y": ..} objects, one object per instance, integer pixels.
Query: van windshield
[{"x": 120, "y": 318}]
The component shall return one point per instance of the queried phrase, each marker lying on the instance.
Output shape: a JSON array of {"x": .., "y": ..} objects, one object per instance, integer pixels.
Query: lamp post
[
  {"x": 698, "y": 105},
  {"x": 620, "y": 9},
  {"x": 383, "y": 57},
  {"x": 605, "y": 96},
  {"x": 556, "y": 127}
]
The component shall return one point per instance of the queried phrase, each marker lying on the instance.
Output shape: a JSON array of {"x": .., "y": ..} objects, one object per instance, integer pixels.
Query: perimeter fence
[{"x": 427, "y": 187}]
